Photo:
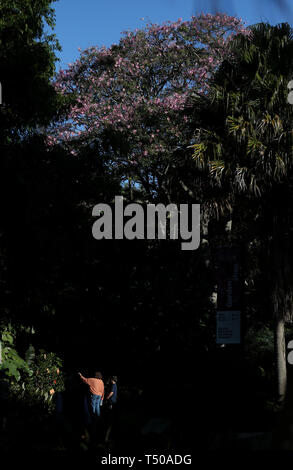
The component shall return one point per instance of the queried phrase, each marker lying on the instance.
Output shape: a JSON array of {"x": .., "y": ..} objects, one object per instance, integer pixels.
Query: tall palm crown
[{"x": 244, "y": 137}]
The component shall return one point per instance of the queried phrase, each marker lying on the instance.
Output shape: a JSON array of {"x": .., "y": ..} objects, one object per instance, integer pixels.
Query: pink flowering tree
[{"x": 130, "y": 99}]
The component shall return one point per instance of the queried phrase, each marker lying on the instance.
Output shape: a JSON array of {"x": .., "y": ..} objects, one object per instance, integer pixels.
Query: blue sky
[{"x": 84, "y": 23}]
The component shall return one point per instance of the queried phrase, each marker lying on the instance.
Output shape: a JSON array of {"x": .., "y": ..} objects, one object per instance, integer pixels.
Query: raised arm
[{"x": 83, "y": 378}]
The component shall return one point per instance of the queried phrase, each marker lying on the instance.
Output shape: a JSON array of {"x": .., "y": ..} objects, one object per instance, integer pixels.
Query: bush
[
  {"x": 35, "y": 380},
  {"x": 41, "y": 381}
]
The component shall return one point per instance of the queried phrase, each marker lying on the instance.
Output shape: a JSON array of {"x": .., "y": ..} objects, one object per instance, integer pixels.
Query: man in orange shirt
[{"x": 96, "y": 386}]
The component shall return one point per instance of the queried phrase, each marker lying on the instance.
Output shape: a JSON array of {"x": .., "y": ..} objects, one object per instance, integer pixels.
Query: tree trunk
[
  {"x": 283, "y": 432},
  {"x": 280, "y": 359},
  {"x": 282, "y": 290},
  {"x": 282, "y": 300}
]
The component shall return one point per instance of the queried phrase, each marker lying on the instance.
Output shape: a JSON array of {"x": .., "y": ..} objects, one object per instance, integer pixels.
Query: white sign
[{"x": 228, "y": 327}]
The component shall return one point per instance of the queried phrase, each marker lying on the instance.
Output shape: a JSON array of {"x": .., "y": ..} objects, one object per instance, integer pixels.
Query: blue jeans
[{"x": 95, "y": 402}]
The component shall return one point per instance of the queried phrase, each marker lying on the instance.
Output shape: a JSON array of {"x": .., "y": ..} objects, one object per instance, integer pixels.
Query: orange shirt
[{"x": 96, "y": 386}]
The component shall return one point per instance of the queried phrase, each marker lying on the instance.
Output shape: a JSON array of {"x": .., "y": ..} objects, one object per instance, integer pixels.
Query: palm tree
[{"x": 244, "y": 143}]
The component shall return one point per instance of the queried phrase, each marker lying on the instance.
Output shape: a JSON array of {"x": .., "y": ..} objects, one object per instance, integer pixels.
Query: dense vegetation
[{"x": 185, "y": 112}]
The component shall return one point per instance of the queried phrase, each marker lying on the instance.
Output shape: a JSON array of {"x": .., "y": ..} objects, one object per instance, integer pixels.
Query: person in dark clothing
[
  {"x": 111, "y": 399},
  {"x": 112, "y": 395}
]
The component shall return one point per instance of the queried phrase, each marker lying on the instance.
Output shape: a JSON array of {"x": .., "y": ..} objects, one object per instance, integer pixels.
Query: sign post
[{"x": 228, "y": 295}]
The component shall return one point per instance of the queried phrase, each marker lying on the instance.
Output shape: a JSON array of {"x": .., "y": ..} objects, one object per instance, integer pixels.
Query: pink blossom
[{"x": 113, "y": 94}]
